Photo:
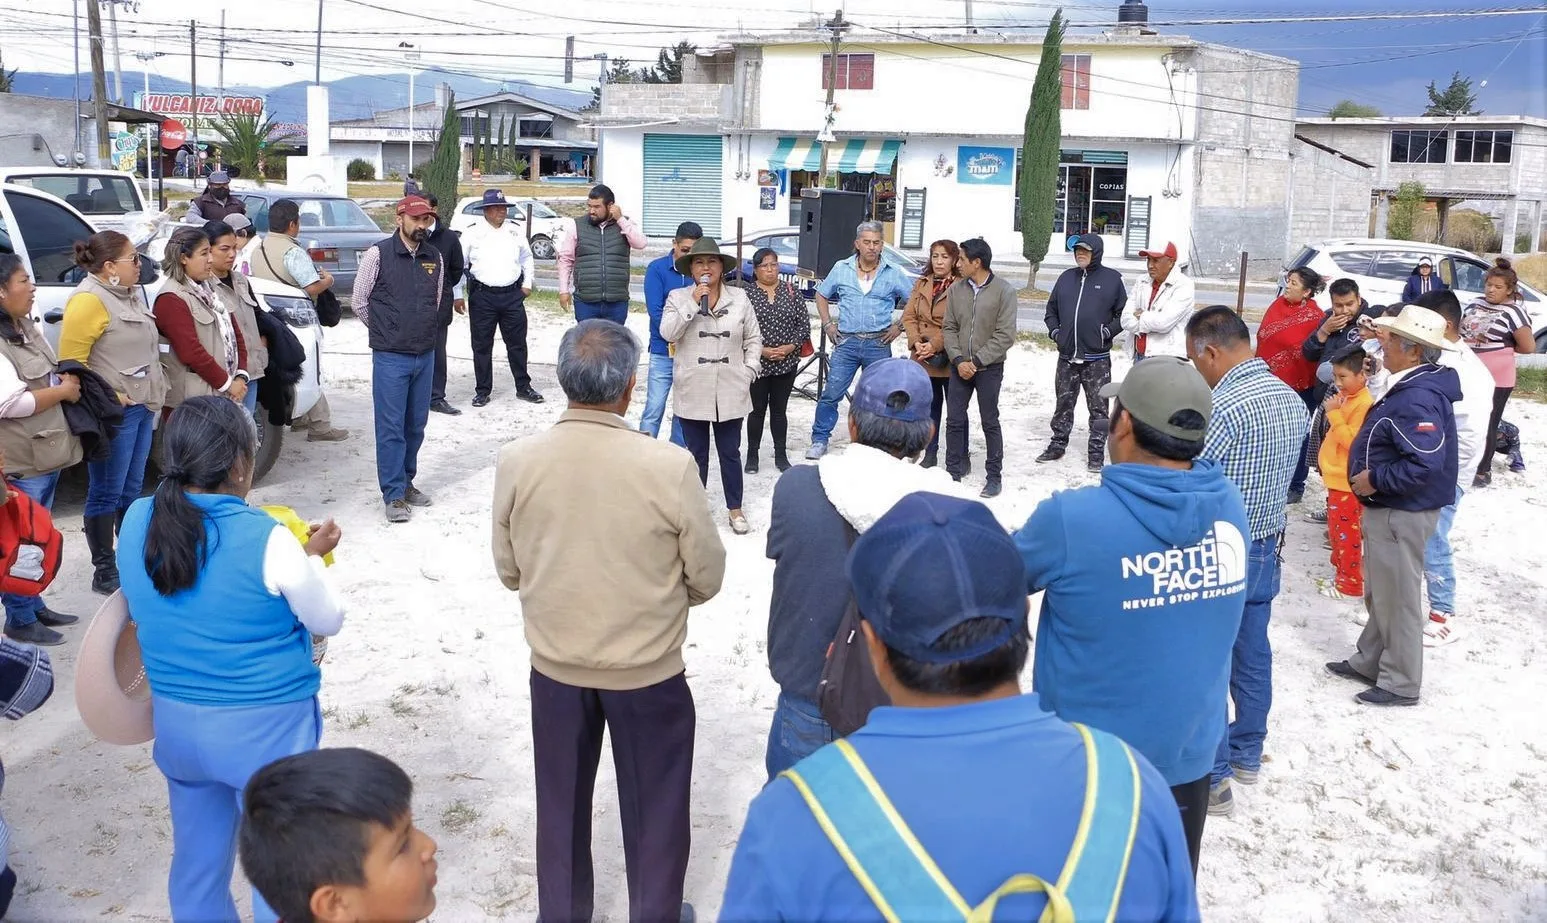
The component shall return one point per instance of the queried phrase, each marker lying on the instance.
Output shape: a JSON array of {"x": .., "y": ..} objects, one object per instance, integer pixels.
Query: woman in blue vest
[{"x": 225, "y": 599}]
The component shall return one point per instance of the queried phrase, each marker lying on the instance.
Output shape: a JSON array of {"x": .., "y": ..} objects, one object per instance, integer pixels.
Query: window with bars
[
  {"x": 1076, "y": 81},
  {"x": 855, "y": 71},
  {"x": 1484, "y": 146},
  {"x": 1419, "y": 146}
]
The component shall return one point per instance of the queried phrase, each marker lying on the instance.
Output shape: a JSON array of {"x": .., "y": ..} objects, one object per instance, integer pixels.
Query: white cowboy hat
[
  {"x": 1418, "y": 324},
  {"x": 111, "y": 691}
]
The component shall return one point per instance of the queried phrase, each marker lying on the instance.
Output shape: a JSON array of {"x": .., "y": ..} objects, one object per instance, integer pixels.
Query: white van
[{"x": 42, "y": 230}]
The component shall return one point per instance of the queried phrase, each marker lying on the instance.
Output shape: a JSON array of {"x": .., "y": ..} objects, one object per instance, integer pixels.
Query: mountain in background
[{"x": 354, "y": 97}]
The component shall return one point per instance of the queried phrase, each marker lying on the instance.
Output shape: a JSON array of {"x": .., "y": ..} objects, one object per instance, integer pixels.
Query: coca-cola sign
[{"x": 183, "y": 104}]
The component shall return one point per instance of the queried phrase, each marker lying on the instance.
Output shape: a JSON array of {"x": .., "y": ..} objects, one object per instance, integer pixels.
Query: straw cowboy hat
[
  {"x": 1419, "y": 325},
  {"x": 111, "y": 691},
  {"x": 704, "y": 246}
]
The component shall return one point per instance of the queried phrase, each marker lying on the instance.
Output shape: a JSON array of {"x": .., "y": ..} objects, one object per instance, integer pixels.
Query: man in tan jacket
[{"x": 606, "y": 578}]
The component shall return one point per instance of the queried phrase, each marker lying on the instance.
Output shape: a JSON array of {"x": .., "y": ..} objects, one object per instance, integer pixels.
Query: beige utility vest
[
  {"x": 127, "y": 355},
  {"x": 41, "y": 443},
  {"x": 269, "y": 261},
  {"x": 242, "y": 305},
  {"x": 183, "y": 382}
]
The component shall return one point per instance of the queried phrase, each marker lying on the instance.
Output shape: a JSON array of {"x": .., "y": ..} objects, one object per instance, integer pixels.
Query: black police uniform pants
[{"x": 505, "y": 310}]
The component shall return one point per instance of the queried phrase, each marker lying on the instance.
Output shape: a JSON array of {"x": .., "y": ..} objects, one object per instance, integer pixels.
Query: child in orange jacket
[{"x": 1345, "y": 407}]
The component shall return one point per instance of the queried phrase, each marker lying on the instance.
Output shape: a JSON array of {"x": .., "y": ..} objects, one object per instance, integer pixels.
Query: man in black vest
[
  {"x": 449, "y": 243},
  {"x": 397, "y": 295},
  {"x": 216, "y": 201},
  {"x": 594, "y": 260}
]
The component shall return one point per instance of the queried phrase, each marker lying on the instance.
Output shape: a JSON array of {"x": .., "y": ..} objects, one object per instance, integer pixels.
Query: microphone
[{"x": 703, "y": 303}]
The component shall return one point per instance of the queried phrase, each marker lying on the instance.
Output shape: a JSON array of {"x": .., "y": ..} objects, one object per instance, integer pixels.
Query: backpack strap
[
  {"x": 864, "y": 827},
  {"x": 1092, "y": 877}
]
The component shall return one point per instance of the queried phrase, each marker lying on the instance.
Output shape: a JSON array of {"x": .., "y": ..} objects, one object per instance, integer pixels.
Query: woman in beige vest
[
  {"x": 201, "y": 344},
  {"x": 235, "y": 292},
  {"x": 35, "y": 440},
  {"x": 717, "y": 355},
  {"x": 109, "y": 329}
]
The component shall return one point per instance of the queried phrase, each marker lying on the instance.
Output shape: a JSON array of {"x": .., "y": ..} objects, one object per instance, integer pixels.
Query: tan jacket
[
  {"x": 183, "y": 382},
  {"x": 924, "y": 319},
  {"x": 716, "y": 358},
  {"x": 42, "y": 442},
  {"x": 242, "y": 304},
  {"x": 127, "y": 354},
  {"x": 606, "y": 576},
  {"x": 269, "y": 261}
]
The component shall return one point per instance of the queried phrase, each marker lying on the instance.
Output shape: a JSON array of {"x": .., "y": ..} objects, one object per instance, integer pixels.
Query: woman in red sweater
[
  {"x": 1289, "y": 321},
  {"x": 203, "y": 352}
]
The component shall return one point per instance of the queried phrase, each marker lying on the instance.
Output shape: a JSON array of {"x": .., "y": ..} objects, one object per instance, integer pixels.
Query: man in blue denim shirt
[
  {"x": 867, "y": 291},
  {"x": 661, "y": 278}
]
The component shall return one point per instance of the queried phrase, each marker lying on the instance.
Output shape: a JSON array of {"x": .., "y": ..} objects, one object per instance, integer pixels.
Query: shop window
[
  {"x": 1484, "y": 146},
  {"x": 1418, "y": 146},
  {"x": 854, "y": 72},
  {"x": 1075, "y": 77}
]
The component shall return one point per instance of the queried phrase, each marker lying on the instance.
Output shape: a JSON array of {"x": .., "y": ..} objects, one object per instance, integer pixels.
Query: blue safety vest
[{"x": 905, "y": 883}]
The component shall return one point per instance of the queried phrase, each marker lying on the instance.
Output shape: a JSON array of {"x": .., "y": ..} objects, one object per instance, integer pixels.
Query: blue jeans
[
  {"x": 251, "y": 400},
  {"x": 115, "y": 482},
  {"x": 400, "y": 394},
  {"x": 615, "y": 311},
  {"x": 207, "y": 754},
  {"x": 1251, "y": 664},
  {"x": 1438, "y": 569},
  {"x": 850, "y": 355},
  {"x": 657, "y": 390},
  {"x": 21, "y": 611},
  {"x": 797, "y": 732}
]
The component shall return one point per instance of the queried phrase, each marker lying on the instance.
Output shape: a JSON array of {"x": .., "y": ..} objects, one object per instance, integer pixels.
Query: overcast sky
[{"x": 1384, "y": 64}]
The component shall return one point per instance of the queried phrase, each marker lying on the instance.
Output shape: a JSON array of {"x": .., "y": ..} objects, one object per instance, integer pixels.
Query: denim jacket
[{"x": 857, "y": 311}]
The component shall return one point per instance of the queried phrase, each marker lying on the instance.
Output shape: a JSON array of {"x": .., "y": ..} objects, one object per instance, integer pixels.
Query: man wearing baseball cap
[
  {"x": 1145, "y": 580},
  {"x": 963, "y": 783},
  {"x": 216, "y": 201},
  {"x": 397, "y": 296},
  {"x": 818, "y": 510},
  {"x": 1158, "y": 307}
]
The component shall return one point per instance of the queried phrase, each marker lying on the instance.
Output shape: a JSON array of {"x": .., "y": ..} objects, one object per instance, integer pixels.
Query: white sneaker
[
  {"x": 1439, "y": 631},
  {"x": 817, "y": 450},
  {"x": 1330, "y": 590},
  {"x": 1360, "y": 615}
]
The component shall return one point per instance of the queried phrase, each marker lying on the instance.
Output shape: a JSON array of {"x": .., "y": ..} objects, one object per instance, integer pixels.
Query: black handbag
[{"x": 329, "y": 310}]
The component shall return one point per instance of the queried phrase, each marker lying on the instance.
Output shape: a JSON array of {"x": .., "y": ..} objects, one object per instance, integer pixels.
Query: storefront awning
[{"x": 856, "y": 155}]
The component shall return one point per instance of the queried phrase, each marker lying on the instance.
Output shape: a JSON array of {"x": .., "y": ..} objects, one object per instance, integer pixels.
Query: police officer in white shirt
[{"x": 499, "y": 277}]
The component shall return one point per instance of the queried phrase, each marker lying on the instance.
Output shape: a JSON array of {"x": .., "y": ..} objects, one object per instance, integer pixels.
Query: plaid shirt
[{"x": 1255, "y": 433}]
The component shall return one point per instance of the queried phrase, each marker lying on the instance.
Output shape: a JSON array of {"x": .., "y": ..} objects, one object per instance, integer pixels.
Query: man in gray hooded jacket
[{"x": 1084, "y": 314}]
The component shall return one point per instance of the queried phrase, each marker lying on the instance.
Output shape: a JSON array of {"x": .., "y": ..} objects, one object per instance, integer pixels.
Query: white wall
[
  {"x": 622, "y": 153},
  {"x": 919, "y": 88},
  {"x": 363, "y": 150}
]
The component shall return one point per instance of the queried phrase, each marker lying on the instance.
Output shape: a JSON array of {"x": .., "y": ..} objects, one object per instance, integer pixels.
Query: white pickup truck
[{"x": 42, "y": 229}]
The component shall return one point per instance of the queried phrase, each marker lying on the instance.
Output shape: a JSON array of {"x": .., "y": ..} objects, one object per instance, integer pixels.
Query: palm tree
[{"x": 249, "y": 138}]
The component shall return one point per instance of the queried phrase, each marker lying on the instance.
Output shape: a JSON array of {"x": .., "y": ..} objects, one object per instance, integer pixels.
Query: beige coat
[
  {"x": 242, "y": 305},
  {"x": 127, "y": 354},
  {"x": 182, "y": 381},
  {"x": 606, "y": 577},
  {"x": 42, "y": 442},
  {"x": 716, "y": 358},
  {"x": 924, "y": 319}
]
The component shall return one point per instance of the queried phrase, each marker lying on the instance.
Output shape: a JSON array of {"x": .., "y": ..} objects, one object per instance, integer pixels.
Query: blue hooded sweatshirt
[{"x": 1145, "y": 580}]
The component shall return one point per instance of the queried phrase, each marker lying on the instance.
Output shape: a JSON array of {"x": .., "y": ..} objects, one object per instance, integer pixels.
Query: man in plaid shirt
[{"x": 1255, "y": 434}]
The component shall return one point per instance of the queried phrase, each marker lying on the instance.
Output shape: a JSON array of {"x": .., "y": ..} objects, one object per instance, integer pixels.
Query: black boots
[{"x": 100, "y": 531}]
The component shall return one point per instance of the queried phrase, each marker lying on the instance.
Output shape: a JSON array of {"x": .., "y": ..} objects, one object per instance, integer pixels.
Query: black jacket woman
[{"x": 785, "y": 322}]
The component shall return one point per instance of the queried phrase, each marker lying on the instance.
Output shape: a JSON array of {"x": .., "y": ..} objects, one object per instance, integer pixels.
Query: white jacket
[
  {"x": 1473, "y": 410},
  {"x": 1164, "y": 321}
]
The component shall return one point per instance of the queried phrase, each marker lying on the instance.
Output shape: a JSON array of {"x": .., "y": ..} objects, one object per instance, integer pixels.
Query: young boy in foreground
[
  {"x": 1347, "y": 403},
  {"x": 329, "y": 836}
]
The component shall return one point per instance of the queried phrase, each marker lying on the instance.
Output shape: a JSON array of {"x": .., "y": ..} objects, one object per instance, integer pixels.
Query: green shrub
[{"x": 361, "y": 170}]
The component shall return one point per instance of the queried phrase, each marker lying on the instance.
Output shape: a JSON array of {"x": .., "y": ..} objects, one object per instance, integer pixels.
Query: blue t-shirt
[
  {"x": 661, "y": 279},
  {"x": 227, "y": 640},
  {"x": 991, "y": 789},
  {"x": 1145, "y": 580}
]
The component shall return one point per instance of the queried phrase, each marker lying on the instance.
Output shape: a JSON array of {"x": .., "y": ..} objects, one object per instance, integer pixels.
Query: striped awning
[{"x": 856, "y": 155}]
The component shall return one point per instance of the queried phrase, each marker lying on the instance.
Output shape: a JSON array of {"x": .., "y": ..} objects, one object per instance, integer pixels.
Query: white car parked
[
  {"x": 547, "y": 224},
  {"x": 42, "y": 230},
  {"x": 1381, "y": 269},
  {"x": 109, "y": 200}
]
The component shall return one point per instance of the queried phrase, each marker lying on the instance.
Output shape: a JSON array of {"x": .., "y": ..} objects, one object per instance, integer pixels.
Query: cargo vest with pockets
[
  {"x": 182, "y": 381},
  {"x": 601, "y": 262},
  {"x": 127, "y": 355},
  {"x": 269, "y": 262},
  {"x": 41, "y": 443},
  {"x": 242, "y": 305},
  {"x": 903, "y": 881}
]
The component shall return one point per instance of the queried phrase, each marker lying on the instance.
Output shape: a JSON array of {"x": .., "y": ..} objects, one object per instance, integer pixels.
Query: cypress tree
[
  {"x": 1040, "y": 150},
  {"x": 441, "y": 173},
  {"x": 501, "y": 152}
]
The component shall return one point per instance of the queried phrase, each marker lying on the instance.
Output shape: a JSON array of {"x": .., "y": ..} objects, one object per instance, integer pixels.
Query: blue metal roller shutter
[{"x": 682, "y": 183}]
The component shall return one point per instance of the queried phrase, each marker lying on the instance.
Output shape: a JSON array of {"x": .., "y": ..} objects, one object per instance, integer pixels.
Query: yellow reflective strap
[
  {"x": 903, "y": 832},
  {"x": 1133, "y": 832},
  {"x": 1087, "y": 812},
  {"x": 839, "y": 843},
  {"x": 1058, "y": 909}
]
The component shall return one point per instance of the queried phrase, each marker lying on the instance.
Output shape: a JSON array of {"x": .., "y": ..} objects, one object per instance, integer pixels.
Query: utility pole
[
  {"x": 193, "y": 90},
  {"x": 118, "y": 71},
  {"x": 411, "y": 57},
  {"x": 318, "y": 81},
  {"x": 76, "y": 82},
  {"x": 969, "y": 14},
  {"x": 98, "y": 81},
  {"x": 837, "y": 26},
  {"x": 152, "y": 166},
  {"x": 220, "y": 71}
]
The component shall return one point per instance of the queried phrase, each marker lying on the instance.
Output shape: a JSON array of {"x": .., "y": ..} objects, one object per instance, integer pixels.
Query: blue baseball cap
[
  {"x": 895, "y": 388},
  {"x": 930, "y": 564}
]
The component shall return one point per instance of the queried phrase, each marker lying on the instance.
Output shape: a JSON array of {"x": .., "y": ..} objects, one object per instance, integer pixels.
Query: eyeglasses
[{"x": 133, "y": 258}]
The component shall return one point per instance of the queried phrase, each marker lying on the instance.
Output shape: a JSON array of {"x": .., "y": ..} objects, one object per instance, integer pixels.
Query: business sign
[
  {"x": 211, "y": 106},
  {"x": 985, "y": 166},
  {"x": 767, "y": 198},
  {"x": 174, "y": 134},
  {"x": 126, "y": 147}
]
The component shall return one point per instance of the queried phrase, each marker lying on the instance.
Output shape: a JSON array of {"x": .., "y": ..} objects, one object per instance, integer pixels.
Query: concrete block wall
[
  {"x": 1240, "y": 203},
  {"x": 647, "y": 101},
  {"x": 29, "y": 117},
  {"x": 1330, "y": 197},
  {"x": 1244, "y": 99}
]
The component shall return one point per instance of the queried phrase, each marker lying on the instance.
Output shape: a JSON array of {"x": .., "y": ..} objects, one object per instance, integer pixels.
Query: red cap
[
  {"x": 1169, "y": 252},
  {"x": 414, "y": 206}
]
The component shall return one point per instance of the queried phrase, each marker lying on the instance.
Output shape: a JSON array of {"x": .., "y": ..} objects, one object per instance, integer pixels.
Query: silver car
[{"x": 334, "y": 230}]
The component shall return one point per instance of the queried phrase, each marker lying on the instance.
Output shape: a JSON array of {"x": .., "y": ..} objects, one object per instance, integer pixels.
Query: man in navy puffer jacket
[
  {"x": 1084, "y": 313},
  {"x": 1403, "y": 467}
]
